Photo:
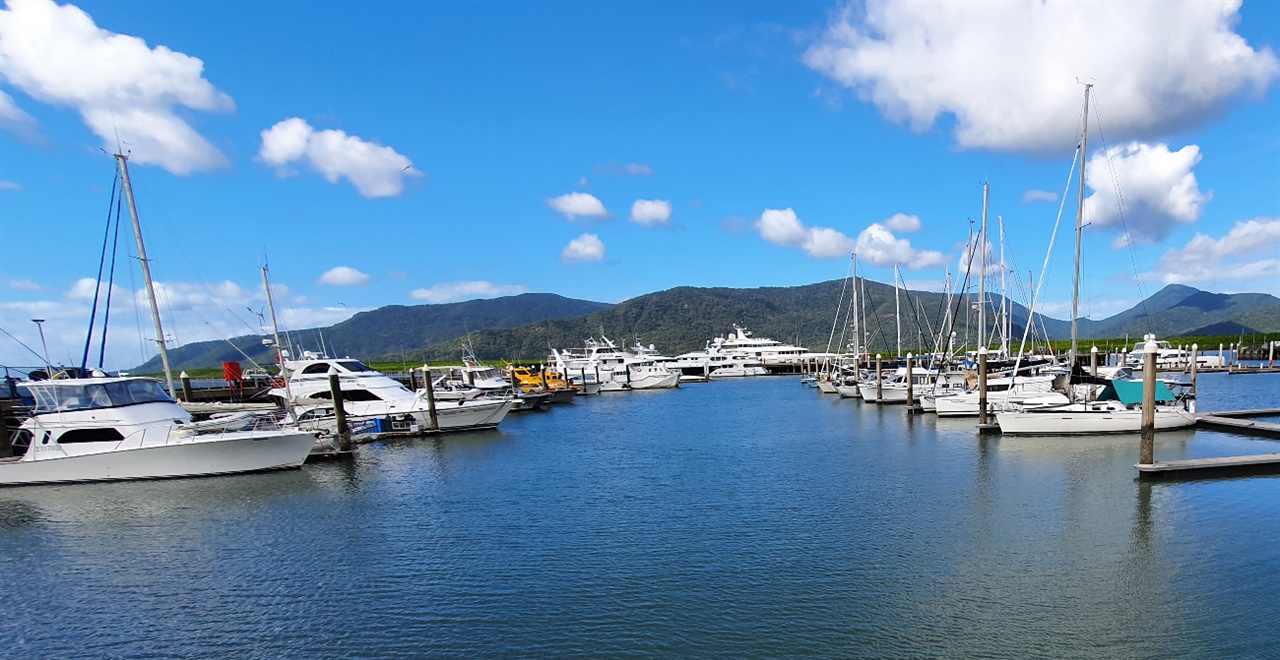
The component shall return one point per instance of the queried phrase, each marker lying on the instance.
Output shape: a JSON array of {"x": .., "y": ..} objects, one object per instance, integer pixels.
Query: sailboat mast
[
  {"x": 1075, "y": 287},
  {"x": 857, "y": 338},
  {"x": 146, "y": 271},
  {"x": 982, "y": 270},
  {"x": 1005, "y": 308},
  {"x": 897, "y": 313},
  {"x": 275, "y": 333}
]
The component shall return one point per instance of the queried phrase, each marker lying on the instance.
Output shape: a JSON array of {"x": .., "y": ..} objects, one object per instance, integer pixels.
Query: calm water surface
[{"x": 736, "y": 518}]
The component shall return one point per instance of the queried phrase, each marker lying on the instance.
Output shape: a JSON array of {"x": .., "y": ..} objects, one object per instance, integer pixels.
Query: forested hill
[
  {"x": 685, "y": 318},
  {"x": 386, "y": 330}
]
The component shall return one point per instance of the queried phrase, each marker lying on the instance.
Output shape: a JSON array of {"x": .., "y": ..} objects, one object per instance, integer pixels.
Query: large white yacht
[
  {"x": 370, "y": 394},
  {"x": 1117, "y": 410},
  {"x": 107, "y": 429},
  {"x": 768, "y": 351},
  {"x": 618, "y": 370}
]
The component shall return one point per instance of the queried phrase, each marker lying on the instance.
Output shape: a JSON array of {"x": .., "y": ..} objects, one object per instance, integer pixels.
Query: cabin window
[
  {"x": 320, "y": 368},
  {"x": 90, "y": 435},
  {"x": 348, "y": 395},
  {"x": 353, "y": 366}
]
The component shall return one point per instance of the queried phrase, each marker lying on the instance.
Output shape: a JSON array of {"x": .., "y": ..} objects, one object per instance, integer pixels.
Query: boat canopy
[
  {"x": 1129, "y": 392},
  {"x": 81, "y": 394}
]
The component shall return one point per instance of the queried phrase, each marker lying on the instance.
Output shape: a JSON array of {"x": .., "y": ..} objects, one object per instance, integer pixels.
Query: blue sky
[{"x": 401, "y": 153}]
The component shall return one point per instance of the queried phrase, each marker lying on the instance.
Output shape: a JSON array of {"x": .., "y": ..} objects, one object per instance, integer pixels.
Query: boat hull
[
  {"x": 245, "y": 452},
  {"x": 1075, "y": 422}
]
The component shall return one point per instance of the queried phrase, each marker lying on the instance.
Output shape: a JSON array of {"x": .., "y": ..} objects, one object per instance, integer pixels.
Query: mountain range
[{"x": 682, "y": 319}]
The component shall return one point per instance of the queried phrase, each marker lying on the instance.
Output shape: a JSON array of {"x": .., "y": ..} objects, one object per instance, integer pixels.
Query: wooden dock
[
  {"x": 1221, "y": 466},
  {"x": 1231, "y": 422}
]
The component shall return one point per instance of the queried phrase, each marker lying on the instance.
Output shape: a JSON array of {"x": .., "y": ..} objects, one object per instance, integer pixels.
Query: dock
[{"x": 1221, "y": 466}]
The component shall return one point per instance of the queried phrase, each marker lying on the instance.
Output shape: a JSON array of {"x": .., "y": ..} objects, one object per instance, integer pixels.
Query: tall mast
[
  {"x": 897, "y": 314},
  {"x": 1075, "y": 288},
  {"x": 857, "y": 339},
  {"x": 146, "y": 271},
  {"x": 982, "y": 271},
  {"x": 275, "y": 332},
  {"x": 864, "y": 307},
  {"x": 1005, "y": 308}
]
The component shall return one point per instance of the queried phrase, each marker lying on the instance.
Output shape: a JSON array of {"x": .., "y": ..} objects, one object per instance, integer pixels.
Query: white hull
[
  {"x": 966, "y": 405},
  {"x": 197, "y": 457},
  {"x": 1077, "y": 420},
  {"x": 847, "y": 391}
]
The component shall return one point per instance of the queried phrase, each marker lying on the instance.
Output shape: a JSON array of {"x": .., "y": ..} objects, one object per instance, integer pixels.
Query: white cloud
[
  {"x": 650, "y": 212},
  {"x": 993, "y": 259},
  {"x": 1039, "y": 196},
  {"x": 582, "y": 182},
  {"x": 587, "y": 247},
  {"x": 1008, "y": 73},
  {"x": 343, "y": 276},
  {"x": 14, "y": 119},
  {"x": 121, "y": 87},
  {"x": 1157, "y": 186},
  {"x": 877, "y": 245},
  {"x": 10, "y": 185},
  {"x": 447, "y": 292},
  {"x": 375, "y": 170},
  {"x": 1250, "y": 252},
  {"x": 783, "y": 227},
  {"x": 637, "y": 168},
  {"x": 21, "y": 284},
  {"x": 578, "y": 205},
  {"x": 903, "y": 222},
  {"x": 614, "y": 168}
]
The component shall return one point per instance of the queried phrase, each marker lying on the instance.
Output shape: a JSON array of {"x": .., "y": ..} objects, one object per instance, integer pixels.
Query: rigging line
[
  {"x": 964, "y": 296},
  {"x": 1115, "y": 183},
  {"x": 839, "y": 304},
  {"x": 879, "y": 324},
  {"x": 97, "y": 287},
  {"x": 912, "y": 303},
  {"x": 111, "y": 285},
  {"x": 38, "y": 356}
]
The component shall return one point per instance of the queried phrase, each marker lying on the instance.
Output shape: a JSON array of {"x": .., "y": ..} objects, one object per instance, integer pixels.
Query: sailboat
[
  {"x": 110, "y": 429},
  {"x": 1118, "y": 408}
]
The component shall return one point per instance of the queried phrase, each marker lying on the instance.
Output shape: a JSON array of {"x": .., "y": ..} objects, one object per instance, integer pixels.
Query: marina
[{"x": 783, "y": 523}]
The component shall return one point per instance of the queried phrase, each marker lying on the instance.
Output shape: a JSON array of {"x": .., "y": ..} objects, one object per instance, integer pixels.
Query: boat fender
[{"x": 277, "y": 383}]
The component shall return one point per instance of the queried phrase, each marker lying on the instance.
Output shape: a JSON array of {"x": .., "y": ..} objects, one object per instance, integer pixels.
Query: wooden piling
[
  {"x": 1093, "y": 361},
  {"x": 982, "y": 385},
  {"x": 6, "y": 447},
  {"x": 339, "y": 412},
  {"x": 431, "y": 400},
  {"x": 879, "y": 381},
  {"x": 1148, "y": 451},
  {"x": 1195, "y": 359},
  {"x": 910, "y": 384},
  {"x": 186, "y": 387},
  {"x": 413, "y": 380}
]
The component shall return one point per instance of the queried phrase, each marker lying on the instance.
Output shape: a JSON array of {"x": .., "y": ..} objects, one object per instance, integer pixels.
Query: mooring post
[
  {"x": 879, "y": 381},
  {"x": 1093, "y": 361},
  {"x": 1195, "y": 359},
  {"x": 339, "y": 411},
  {"x": 1147, "y": 454},
  {"x": 542, "y": 372},
  {"x": 428, "y": 384},
  {"x": 706, "y": 370},
  {"x": 186, "y": 386},
  {"x": 6, "y": 448},
  {"x": 911, "y": 402},
  {"x": 598, "y": 378},
  {"x": 1271, "y": 354},
  {"x": 1220, "y": 362},
  {"x": 413, "y": 380},
  {"x": 982, "y": 386}
]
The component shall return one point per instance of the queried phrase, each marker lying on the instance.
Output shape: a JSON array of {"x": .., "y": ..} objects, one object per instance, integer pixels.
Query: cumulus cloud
[
  {"x": 1007, "y": 74},
  {"x": 650, "y": 212},
  {"x": 343, "y": 276},
  {"x": 903, "y": 222},
  {"x": 970, "y": 248},
  {"x": 783, "y": 227},
  {"x": 375, "y": 170},
  {"x": 1039, "y": 196},
  {"x": 121, "y": 87},
  {"x": 877, "y": 245},
  {"x": 578, "y": 205},
  {"x": 447, "y": 292},
  {"x": 1157, "y": 186},
  {"x": 1250, "y": 252},
  {"x": 10, "y": 185},
  {"x": 587, "y": 247}
]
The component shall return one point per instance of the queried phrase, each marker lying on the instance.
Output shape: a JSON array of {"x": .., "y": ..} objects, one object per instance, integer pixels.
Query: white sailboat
[{"x": 1118, "y": 408}]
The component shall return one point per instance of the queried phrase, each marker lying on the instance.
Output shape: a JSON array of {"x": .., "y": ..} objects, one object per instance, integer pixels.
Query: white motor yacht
[
  {"x": 617, "y": 370},
  {"x": 369, "y": 394},
  {"x": 1021, "y": 393},
  {"x": 768, "y": 351},
  {"x": 107, "y": 429}
]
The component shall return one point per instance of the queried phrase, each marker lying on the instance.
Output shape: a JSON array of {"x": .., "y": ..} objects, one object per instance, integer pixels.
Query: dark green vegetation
[
  {"x": 384, "y": 331},
  {"x": 683, "y": 319}
]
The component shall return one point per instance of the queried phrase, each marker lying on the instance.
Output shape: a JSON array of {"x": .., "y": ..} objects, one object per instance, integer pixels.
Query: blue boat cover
[{"x": 1129, "y": 392}]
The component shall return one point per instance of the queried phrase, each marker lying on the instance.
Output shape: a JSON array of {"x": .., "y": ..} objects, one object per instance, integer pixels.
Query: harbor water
[{"x": 737, "y": 518}]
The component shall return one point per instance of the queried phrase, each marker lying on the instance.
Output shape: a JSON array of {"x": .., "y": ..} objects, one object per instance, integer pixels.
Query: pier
[{"x": 1203, "y": 467}]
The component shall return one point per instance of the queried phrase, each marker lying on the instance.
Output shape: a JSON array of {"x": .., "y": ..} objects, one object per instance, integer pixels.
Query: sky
[{"x": 406, "y": 153}]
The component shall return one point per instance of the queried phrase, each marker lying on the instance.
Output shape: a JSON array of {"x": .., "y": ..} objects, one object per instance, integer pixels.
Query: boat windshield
[
  {"x": 57, "y": 396},
  {"x": 353, "y": 366}
]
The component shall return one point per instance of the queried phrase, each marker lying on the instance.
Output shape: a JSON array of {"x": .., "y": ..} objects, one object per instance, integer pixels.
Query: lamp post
[{"x": 48, "y": 366}]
